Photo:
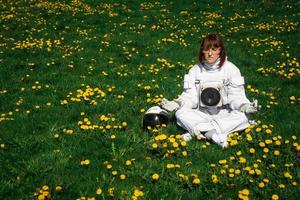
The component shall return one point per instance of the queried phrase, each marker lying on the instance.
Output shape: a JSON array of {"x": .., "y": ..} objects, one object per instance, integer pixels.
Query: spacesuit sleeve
[
  {"x": 189, "y": 97},
  {"x": 236, "y": 91}
]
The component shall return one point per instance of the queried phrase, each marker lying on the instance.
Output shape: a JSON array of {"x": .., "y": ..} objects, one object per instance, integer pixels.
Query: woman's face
[{"x": 211, "y": 55}]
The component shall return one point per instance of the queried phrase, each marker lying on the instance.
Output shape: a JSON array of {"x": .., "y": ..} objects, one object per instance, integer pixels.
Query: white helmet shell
[{"x": 155, "y": 116}]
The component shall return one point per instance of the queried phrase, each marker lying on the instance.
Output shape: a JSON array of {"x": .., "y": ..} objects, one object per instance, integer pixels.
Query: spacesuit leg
[
  {"x": 231, "y": 121},
  {"x": 193, "y": 121},
  {"x": 227, "y": 122}
]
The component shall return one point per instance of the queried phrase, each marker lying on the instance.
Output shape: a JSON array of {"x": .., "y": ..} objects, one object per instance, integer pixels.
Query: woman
[{"x": 213, "y": 103}]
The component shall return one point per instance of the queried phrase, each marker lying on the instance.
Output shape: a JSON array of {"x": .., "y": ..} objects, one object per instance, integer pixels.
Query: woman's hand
[
  {"x": 251, "y": 107},
  {"x": 169, "y": 105}
]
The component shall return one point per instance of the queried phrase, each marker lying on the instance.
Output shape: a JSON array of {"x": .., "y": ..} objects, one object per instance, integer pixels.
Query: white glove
[
  {"x": 251, "y": 107},
  {"x": 169, "y": 105}
]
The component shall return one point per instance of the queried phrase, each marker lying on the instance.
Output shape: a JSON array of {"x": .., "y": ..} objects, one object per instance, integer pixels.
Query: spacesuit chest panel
[{"x": 211, "y": 88}]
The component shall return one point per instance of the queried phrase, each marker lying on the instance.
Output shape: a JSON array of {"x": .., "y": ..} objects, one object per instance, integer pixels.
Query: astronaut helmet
[{"x": 155, "y": 116}]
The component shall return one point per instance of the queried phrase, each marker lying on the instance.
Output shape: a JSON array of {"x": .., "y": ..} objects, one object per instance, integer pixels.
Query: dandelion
[
  {"x": 196, "y": 181},
  {"x": 111, "y": 191},
  {"x": 231, "y": 175},
  {"x": 262, "y": 144},
  {"x": 275, "y": 197},
  {"x": 222, "y": 161},
  {"x": 266, "y": 150},
  {"x": 155, "y": 177},
  {"x": 276, "y": 153},
  {"x": 249, "y": 137},
  {"x": 183, "y": 143},
  {"x": 277, "y": 142},
  {"x": 261, "y": 185},
  {"x": 175, "y": 144},
  {"x": 258, "y": 172},
  {"x": 45, "y": 187},
  {"x": 258, "y": 129},
  {"x": 114, "y": 172},
  {"x": 170, "y": 166},
  {"x": 109, "y": 166},
  {"x": 99, "y": 191},
  {"x": 128, "y": 162},
  {"x": 243, "y": 194},
  {"x": 122, "y": 176},
  {"x": 292, "y": 98},
  {"x": 288, "y": 175},
  {"x": 252, "y": 150},
  {"x": 138, "y": 193},
  {"x": 85, "y": 162},
  {"x": 242, "y": 160},
  {"x": 268, "y": 131},
  {"x": 154, "y": 146},
  {"x": 214, "y": 178}
]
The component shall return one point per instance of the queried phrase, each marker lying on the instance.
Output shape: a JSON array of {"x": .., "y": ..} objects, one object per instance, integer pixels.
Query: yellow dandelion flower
[
  {"x": 41, "y": 197},
  {"x": 266, "y": 150},
  {"x": 258, "y": 172},
  {"x": 109, "y": 166},
  {"x": 196, "y": 181},
  {"x": 292, "y": 98},
  {"x": 170, "y": 166},
  {"x": 252, "y": 150},
  {"x": 138, "y": 193},
  {"x": 231, "y": 175},
  {"x": 222, "y": 161},
  {"x": 175, "y": 144},
  {"x": 128, "y": 162},
  {"x": 288, "y": 175},
  {"x": 261, "y": 185},
  {"x": 242, "y": 160},
  {"x": 214, "y": 178},
  {"x": 99, "y": 191},
  {"x": 258, "y": 129},
  {"x": 268, "y": 131},
  {"x": 183, "y": 143},
  {"x": 122, "y": 176},
  {"x": 276, "y": 153},
  {"x": 155, "y": 177},
  {"x": 58, "y": 188},
  {"x": 114, "y": 172},
  {"x": 154, "y": 146},
  {"x": 45, "y": 187},
  {"x": 262, "y": 144},
  {"x": 244, "y": 192}
]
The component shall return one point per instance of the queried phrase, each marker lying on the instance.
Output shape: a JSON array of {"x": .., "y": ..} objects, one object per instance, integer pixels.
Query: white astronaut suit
[{"x": 213, "y": 122}]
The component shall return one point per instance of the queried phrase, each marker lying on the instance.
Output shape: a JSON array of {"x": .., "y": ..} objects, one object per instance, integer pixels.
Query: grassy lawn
[{"x": 76, "y": 77}]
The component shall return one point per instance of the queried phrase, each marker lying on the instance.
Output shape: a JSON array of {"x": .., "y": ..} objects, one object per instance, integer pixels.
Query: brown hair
[{"x": 212, "y": 40}]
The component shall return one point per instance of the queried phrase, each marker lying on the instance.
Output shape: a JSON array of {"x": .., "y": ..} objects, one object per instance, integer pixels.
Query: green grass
[{"x": 120, "y": 45}]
